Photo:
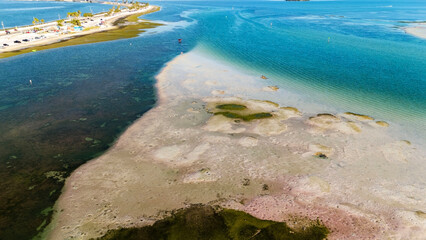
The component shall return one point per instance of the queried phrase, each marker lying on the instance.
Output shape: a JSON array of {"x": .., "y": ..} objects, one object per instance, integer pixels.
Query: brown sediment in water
[
  {"x": 268, "y": 102},
  {"x": 354, "y": 126},
  {"x": 326, "y": 122},
  {"x": 382, "y": 123},
  {"x": 359, "y": 116},
  {"x": 126, "y": 27},
  {"x": 328, "y": 115},
  {"x": 295, "y": 110}
]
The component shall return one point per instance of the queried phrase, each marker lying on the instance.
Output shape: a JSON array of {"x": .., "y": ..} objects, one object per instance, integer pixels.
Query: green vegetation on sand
[
  {"x": 248, "y": 117},
  {"x": 231, "y": 107},
  {"x": 205, "y": 222}
]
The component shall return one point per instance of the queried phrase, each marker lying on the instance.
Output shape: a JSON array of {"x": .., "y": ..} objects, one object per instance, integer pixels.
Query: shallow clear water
[
  {"x": 348, "y": 54},
  {"x": 81, "y": 98},
  {"x": 91, "y": 92},
  {"x": 22, "y": 13}
]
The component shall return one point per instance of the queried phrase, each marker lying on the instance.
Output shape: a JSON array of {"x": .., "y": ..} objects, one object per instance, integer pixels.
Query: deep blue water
[
  {"x": 21, "y": 13},
  {"x": 95, "y": 91}
]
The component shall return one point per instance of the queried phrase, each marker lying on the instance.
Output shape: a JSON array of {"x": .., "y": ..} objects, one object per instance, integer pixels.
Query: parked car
[
  {"x": 25, "y": 40},
  {"x": 5, "y": 44},
  {"x": 17, "y": 41}
]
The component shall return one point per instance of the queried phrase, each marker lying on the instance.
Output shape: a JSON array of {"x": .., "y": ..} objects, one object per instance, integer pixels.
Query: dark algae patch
[
  {"x": 232, "y": 111},
  {"x": 206, "y": 222},
  {"x": 231, "y": 107},
  {"x": 244, "y": 226},
  {"x": 43, "y": 140},
  {"x": 248, "y": 117}
]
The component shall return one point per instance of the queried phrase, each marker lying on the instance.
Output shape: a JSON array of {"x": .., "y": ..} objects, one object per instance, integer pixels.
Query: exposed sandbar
[
  {"x": 345, "y": 170},
  {"x": 417, "y": 31}
]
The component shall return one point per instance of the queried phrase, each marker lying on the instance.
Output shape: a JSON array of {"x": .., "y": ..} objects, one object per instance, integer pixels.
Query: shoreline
[
  {"x": 418, "y": 31},
  {"x": 186, "y": 151},
  {"x": 110, "y": 24}
]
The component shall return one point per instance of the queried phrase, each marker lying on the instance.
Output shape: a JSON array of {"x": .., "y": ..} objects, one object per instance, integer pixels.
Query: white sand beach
[
  {"x": 417, "y": 31},
  {"x": 202, "y": 143}
]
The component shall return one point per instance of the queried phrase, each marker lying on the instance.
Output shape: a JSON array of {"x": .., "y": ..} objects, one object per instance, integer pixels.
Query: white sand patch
[
  {"x": 320, "y": 183},
  {"x": 223, "y": 124},
  {"x": 169, "y": 153},
  {"x": 192, "y": 110},
  {"x": 248, "y": 141},
  {"x": 211, "y": 83},
  {"x": 195, "y": 154},
  {"x": 269, "y": 127},
  {"x": 218, "y": 92},
  {"x": 417, "y": 31},
  {"x": 203, "y": 175},
  {"x": 397, "y": 151},
  {"x": 324, "y": 122}
]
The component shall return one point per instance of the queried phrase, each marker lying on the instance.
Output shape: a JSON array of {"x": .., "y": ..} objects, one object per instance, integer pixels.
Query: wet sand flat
[
  {"x": 219, "y": 136},
  {"x": 417, "y": 31}
]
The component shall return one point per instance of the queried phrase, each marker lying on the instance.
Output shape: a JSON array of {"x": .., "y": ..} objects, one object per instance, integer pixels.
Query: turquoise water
[
  {"x": 369, "y": 65},
  {"x": 21, "y": 13},
  {"x": 84, "y": 96}
]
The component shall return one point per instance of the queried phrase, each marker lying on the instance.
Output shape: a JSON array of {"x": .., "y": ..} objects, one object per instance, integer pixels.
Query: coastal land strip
[
  {"x": 119, "y": 26},
  {"x": 223, "y": 138}
]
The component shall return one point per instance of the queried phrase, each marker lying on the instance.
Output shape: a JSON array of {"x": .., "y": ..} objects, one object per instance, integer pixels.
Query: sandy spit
[
  {"x": 417, "y": 31},
  {"x": 342, "y": 168}
]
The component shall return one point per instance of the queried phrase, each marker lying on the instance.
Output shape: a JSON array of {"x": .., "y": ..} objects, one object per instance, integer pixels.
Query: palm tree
[
  {"x": 35, "y": 20},
  {"x": 42, "y": 21},
  {"x": 60, "y": 22}
]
